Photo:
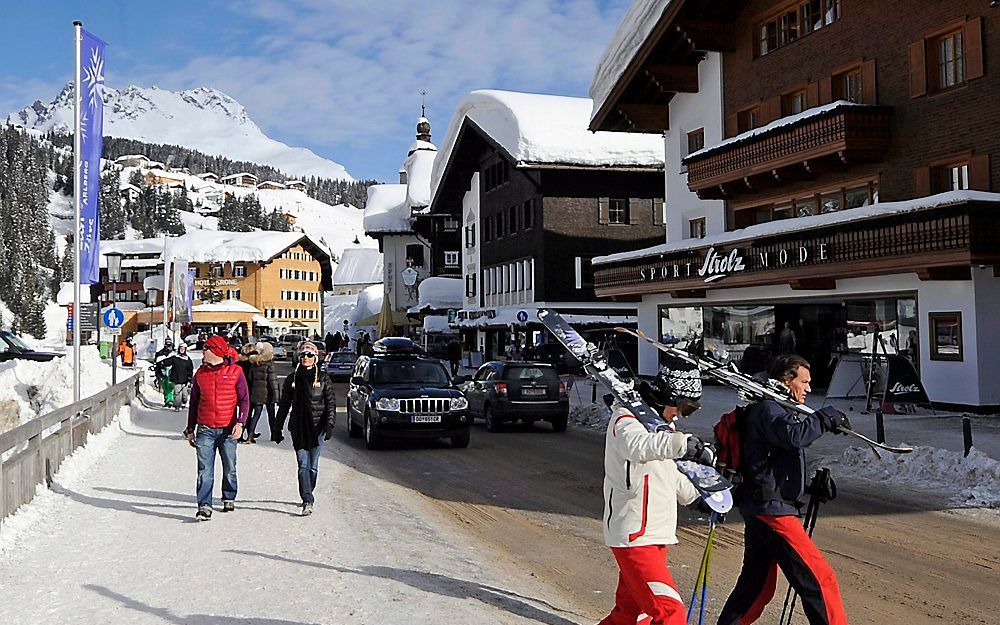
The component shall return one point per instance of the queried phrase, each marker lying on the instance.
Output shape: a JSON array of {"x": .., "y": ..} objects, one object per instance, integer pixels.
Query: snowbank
[
  {"x": 973, "y": 481},
  {"x": 438, "y": 293}
]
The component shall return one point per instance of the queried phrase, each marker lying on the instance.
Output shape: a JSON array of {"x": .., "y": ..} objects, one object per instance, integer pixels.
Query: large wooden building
[{"x": 851, "y": 183}]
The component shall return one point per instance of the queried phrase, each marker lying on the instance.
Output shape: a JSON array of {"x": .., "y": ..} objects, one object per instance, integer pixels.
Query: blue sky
[{"x": 341, "y": 77}]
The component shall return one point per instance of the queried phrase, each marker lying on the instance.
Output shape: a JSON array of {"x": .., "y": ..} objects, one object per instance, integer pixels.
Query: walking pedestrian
[
  {"x": 330, "y": 343},
  {"x": 454, "y": 352},
  {"x": 313, "y": 404},
  {"x": 161, "y": 370},
  {"x": 243, "y": 360},
  {"x": 181, "y": 373},
  {"x": 264, "y": 390},
  {"x": 773, "y": 443},
  {"x": 126, "y": 351},
  {"x": 220, "y": 403},
  {"x": 338, "y": 341},
  {"x": 642, "y": 489}
]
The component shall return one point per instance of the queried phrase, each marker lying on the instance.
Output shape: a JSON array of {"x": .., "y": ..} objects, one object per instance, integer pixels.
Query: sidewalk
[{"x": 120, "y": 545}]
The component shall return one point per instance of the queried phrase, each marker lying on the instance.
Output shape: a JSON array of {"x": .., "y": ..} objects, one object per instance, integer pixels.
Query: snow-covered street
[{"x": 118, "y": 544}]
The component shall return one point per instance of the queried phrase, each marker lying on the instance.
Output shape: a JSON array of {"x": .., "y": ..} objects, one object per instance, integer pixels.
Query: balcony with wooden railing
[{"x": 829, "y": 140}]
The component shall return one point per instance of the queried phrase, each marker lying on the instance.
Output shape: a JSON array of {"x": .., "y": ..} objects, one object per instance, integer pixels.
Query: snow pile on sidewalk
[
  {"x": 590, "y": 415},
  {"x": 974, "y": 481},
  {"x": 29, "y": 389},
  {"x": 24, "y": 523}
]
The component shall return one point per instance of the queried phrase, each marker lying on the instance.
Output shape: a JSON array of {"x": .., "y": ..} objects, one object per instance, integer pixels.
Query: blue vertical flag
[{"x": 88, "y": 174}]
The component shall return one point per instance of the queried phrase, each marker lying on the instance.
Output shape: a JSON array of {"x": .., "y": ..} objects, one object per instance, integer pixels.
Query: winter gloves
[
  {"x": 699, "y": 451},
  {"x": 329, "y": 430},
  {"x": 833, "y": 420}
]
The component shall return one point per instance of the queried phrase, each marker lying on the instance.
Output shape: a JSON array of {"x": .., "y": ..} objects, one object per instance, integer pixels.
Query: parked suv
[
  {"x": 290, "y": 342},
  {"x": 501, "y": 392},
  {"x": 400, "y": 392},
  {"x": 13, "y": 348}
]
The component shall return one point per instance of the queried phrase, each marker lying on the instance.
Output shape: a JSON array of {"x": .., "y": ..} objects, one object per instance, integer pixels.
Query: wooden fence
[{"x": 51, "y": 438}]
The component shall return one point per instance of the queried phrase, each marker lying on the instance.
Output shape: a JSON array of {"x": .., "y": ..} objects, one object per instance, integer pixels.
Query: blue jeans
[
  {"x": 308, "y": 460},
  {"x": 206, "y": 441}
]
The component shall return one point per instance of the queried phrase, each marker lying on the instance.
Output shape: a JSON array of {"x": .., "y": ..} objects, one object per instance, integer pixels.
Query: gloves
[
  {"x": 328, "y": 433},
  {"x": 832, "y": 419},
  {"x": 699, "y": 451}
]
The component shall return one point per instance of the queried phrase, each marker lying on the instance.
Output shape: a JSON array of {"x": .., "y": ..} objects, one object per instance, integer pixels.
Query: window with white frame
[
  {"x": 451, "y": 259},
  {"x": 240, "y": 271}
]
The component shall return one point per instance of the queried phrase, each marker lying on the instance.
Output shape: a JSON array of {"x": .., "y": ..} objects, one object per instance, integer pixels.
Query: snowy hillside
[{"x": 203, "y": 119}]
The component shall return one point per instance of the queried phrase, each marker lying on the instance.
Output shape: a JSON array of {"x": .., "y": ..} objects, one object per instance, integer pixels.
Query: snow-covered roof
[
  {"x": 204, "y": 246},
  {"x": 128, "y": 186},
  {"x": 438, "y": 324},
  {"x": 261, "y": 321},
  {"x": 439, "y": 293},
  {"x": 65, "y": 294},
  {"x": 767, "y": 129},
  {"x": 418, "y": 165},
  {"x": 386, "y": 210},
  {"x": 783, "y": 226},
  {"x": 369, "y": 302},
  {"x": 229, "y": 305},
  {"x": 132, "y": 157},
  {"x": 278, "y": 185},
  {"x": 359, "y": 265},
  {"x": 239, "y": 175},
  {"x": 536, "y": 129},
  {"x": 634, "y": 30}
]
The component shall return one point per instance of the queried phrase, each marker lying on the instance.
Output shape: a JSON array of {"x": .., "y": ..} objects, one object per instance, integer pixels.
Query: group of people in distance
[
  {"x": 228, "y": 396},
  {"x": 643, "y": 487}
]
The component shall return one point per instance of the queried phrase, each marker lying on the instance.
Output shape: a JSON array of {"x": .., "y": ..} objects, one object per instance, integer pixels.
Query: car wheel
[
  {"x": 559, "y": 423},
  {"x": 372, "y": 438},
  {"x": 353, "y": 430},
  {"x": 461, "y": 442},
  {"x": 492, "y": 425}
]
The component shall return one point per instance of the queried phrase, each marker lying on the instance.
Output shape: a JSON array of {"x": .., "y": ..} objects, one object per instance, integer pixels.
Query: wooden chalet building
[
  {"x": 539, "y": 196},
  {"x": 851, "y": 185}
]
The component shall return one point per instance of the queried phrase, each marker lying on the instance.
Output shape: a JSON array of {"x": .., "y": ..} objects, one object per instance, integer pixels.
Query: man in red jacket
[{"x": 219, "y": 388}]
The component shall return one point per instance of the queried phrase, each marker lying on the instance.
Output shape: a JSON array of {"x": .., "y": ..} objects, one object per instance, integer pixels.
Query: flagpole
[{"x": 77, "y": 186}]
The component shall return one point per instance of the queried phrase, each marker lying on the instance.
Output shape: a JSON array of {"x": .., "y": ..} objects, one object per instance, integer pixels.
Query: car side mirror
[{"x": 357, "y": 380}]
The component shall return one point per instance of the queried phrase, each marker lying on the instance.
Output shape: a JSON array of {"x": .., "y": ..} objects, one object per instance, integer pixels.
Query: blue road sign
[
  {"x": 114, "y": 318},
  {"x": 522, "y": 316}
]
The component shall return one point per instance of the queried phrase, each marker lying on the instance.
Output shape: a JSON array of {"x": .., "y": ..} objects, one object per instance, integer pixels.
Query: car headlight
[
  {"x": 388, "y": 403},
  {"x": 459, "y": 403}
]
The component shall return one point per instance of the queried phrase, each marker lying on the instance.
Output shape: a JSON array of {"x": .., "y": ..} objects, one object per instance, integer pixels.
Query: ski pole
[
  {"x": 708, "y": 566},
  {"x": 701, "y": 569}
]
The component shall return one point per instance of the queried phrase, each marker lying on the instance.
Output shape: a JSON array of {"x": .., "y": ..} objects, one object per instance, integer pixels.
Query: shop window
[
  {"x": 451, "y": 259},
  {"x": 952, "y": 177},
  {"x": 747, "y": 119},
  {"x": 696, "y": 228},
  {"x": 618, "y": 211},
  {"x": 848, "y": 86},
  {"x": 793, "y": 103},
  {"x": 695, "y": 140},
  {"x": 795, "y": 22},
  {"x": 415, "y": 254},
  {"x": 945, "y": 329}
]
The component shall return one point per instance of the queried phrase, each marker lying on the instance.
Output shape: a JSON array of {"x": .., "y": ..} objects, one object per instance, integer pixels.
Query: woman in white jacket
[{"x": 642, "y": 488}]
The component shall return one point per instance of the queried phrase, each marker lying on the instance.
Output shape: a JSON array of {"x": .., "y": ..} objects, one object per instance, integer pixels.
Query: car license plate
[
  {"x": 533, "y": 392},
  {"x": 427, "y": 418}
]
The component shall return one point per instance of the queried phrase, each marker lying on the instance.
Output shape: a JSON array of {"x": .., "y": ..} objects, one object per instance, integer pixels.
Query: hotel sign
[
  {"x": 717, "y": 265},
  {"x": 215, "y": 282}
]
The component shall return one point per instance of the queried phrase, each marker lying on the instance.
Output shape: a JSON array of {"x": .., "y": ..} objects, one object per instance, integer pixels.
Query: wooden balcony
[{"x": 831, "y": 140}]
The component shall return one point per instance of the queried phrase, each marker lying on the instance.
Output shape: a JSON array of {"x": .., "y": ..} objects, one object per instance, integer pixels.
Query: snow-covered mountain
[{"x": 202, "y": 119}]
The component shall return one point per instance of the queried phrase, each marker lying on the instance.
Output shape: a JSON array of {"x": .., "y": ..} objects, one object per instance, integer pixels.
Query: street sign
[
  {"x": 114, "y": 318},
  {"x": 89, "y": 317},
  {"x": 452, "y": 315},
  {"x": 522, "y": 316},
  {"x": 113, "y": 331}
]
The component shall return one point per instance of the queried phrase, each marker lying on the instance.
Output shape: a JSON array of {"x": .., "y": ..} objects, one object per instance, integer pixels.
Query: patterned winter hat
[{"x": 680, "y": 384}]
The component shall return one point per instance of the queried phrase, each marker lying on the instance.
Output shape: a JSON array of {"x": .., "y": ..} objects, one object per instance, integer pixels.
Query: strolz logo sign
[
  {"x": 717, "y": 265},
  {"x": 898, "y": 388}
]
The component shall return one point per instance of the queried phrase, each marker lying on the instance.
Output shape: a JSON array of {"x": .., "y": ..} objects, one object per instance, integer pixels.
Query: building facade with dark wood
[
  {"x": 536, "y": 205},
  {"x": 855, "y": 173}
]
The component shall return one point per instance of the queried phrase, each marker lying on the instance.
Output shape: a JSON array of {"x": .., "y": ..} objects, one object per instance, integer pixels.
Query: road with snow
[{"x": 507, "y": 531}]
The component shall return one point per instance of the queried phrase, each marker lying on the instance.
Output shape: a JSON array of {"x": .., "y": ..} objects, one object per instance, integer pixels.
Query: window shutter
[
  {"x": 918, "y": 71},
  {"x": 812, "y": 95},
  {"x": 603, "y": 210},
  {"x": 657, "y": 212},
  {"x": 973, "y": 39},
  {"x": 979, "y": 172},
  {"x": 868, "y": 92},
  {"x": 732, "y": 125},
  {"x": 826, "y": 90},
  {"x": 921, "y": 182},
  {"x": 770, "y": 110}
]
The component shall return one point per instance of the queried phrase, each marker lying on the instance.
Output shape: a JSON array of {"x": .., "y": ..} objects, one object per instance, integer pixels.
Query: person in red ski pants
[{"x": 642, "y": 488}]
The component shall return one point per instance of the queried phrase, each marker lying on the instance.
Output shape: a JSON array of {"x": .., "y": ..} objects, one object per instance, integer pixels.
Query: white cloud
[{"x": 344, "y": 72}]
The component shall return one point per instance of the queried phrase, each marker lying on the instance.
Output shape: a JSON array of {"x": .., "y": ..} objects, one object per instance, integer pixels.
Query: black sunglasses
[{"x": 307, "y": 355}]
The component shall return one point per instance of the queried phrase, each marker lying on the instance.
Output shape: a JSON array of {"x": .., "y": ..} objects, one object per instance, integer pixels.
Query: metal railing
[{"x": 40, "y": 445}]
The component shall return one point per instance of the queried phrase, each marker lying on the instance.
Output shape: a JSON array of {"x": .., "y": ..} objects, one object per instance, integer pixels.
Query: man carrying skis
[
  {"x": 642, "y": 487},
  {"x": 773, "y": 462}
]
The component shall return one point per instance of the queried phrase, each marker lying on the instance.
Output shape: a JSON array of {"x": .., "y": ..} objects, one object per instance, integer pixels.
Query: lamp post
[
  {"x": 114, "y": 275},
  {"x": 151, "y": 302}
]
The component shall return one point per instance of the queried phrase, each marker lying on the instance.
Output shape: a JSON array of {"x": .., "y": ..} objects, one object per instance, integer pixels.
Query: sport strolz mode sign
[{"x": 717, "y": 265}]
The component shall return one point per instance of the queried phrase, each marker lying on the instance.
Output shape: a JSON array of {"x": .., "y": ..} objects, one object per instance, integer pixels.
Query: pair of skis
[
  {"x": 713, "y": 488},
  {"x": 750, "y": 388}
]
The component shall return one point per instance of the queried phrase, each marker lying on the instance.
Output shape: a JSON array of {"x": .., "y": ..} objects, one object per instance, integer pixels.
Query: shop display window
[{"x": 945, "y": 330}]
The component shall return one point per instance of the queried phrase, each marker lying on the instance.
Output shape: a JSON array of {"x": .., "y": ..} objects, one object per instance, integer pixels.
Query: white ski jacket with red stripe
[{"x": 642, "y": 485}]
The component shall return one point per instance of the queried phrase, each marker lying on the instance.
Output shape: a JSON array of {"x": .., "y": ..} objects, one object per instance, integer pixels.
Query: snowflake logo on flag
[{"x": 93, "y": 79}]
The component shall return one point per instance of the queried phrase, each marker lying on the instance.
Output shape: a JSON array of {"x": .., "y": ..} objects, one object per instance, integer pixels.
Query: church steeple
[{"x": 423, "y": 124}]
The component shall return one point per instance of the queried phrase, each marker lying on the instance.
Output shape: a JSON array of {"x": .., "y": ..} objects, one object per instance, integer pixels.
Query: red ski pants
[
  {"x": 645, "y": 586},
  {"x": 771, "y": 542}
]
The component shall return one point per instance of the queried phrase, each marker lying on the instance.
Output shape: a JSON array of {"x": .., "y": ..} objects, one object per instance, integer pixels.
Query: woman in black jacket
[
  {"x": 309, "y": 394},
  {"x": 263, "y": 388}
]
